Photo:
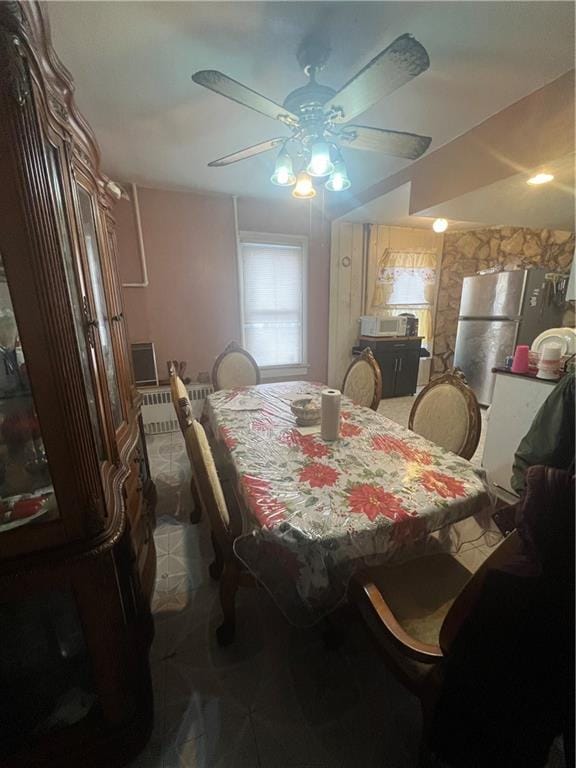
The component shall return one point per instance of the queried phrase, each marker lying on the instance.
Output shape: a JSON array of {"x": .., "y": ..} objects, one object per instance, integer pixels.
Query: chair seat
[{"x": 420, "y": 592}]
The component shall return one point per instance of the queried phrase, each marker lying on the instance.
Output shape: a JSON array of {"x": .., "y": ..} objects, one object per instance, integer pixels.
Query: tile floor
[{"x": 276, "y": 698}]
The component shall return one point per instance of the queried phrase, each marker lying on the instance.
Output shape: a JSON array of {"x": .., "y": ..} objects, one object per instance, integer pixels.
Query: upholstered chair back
[
  {"x": 235, "y": 367},
  {"x": 446, "y": 412},
  {"x": 363, "y": 381}
]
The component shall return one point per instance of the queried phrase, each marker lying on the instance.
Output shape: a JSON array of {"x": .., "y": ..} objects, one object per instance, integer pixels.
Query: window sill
[{"x": 278, "y": 371}]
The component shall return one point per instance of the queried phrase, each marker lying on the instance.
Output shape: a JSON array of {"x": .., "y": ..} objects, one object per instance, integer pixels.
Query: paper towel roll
[{"x": 330, "y": 418}]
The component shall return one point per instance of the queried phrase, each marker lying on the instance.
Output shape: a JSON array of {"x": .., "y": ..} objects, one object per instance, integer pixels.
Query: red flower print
[
  {"x": 229, "y": 440},
  {"x": 318, "y": 475},
  {"x": 311, "y": 446},
  {"x": 373, "y": 501},
  {"x": 345, "y": 414},
  {"x": 443, "y": 485},
  {"x": 308, "y": 444},
  {"x": 393, "y": 444},
  {"x": 267, "y": 509},
  {"x": 349, "y": 430},
  {"x": 291, "y": 438}
]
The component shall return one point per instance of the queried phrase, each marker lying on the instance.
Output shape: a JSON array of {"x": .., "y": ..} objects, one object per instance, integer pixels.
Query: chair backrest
[
  {"x": 210, "y": 487},
  {"x": 447, "y": 413},
  {"x": 235, "y": 367},
  {"x": 180, "y": 399},
  {"x": 363, "y": 381}
]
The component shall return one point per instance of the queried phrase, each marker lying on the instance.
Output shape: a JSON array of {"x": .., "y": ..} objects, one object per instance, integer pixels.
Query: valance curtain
[{"x": 406, "y": 282}]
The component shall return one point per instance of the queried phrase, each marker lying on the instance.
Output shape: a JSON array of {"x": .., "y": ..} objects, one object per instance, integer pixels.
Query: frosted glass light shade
[
  {"x": 283, "y": 175},
  {"x": 304, "y": 190},
  {"x": 338, "y": 180},
  {"x": 320, "y": 163}
]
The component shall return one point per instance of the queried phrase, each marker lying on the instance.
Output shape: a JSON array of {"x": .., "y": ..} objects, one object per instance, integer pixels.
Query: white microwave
[{"x": 370, "y": 325}]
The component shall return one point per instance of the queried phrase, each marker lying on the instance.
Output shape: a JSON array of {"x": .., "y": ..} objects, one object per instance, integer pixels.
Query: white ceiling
[
  {"x": 393, "y": 209},
  {"x": 509, "y": 202},
  {"x": 513, "y": 202},
  {"x": 132, "y": 63}
]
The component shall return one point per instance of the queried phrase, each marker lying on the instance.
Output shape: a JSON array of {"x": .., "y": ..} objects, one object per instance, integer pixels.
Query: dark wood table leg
[{"x": 216, "y": 566}]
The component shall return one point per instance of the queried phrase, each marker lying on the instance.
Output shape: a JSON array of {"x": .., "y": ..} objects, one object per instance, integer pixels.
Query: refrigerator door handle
[{"x": 399, "y": 364}]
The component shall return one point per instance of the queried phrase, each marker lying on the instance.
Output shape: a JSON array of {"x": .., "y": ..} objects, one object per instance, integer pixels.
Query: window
[
  {"x": 406, "y": 282},
  {"x": 273, "y": 299}
]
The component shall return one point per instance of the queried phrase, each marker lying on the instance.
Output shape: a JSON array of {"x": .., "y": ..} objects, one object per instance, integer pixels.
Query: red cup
[{"x": 520, "y": 362}]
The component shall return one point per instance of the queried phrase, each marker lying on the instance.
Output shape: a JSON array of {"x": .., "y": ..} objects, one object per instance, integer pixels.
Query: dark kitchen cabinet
[{"x": 398, "y": 358}]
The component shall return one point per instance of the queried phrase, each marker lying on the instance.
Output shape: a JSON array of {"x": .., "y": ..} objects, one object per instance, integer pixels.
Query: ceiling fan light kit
[{"x": 318, "y": 116}]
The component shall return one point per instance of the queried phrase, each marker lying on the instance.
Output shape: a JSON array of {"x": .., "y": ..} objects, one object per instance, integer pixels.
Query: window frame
[{"x": 268, "y": 238}]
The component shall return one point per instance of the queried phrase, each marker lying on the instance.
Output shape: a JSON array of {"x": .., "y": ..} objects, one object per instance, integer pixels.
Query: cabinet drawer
[{"x": 391, "y": 347}]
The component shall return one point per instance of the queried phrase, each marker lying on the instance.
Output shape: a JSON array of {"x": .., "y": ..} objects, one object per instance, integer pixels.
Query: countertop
[
  {"x": 391, "y": 338},
  {"x": 532, "y": 376}
]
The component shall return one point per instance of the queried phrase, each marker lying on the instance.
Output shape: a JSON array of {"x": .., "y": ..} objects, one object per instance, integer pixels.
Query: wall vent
[{"x": 158, "y": 414}]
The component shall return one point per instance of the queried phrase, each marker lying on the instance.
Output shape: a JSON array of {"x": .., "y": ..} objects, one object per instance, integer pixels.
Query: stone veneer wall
[{"x": 466, "y": 253}]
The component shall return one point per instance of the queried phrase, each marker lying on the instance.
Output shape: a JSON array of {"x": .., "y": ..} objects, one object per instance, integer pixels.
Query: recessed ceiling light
[
  {"x": 540, "y": 178},
  {"x": 440, "y": 225}
]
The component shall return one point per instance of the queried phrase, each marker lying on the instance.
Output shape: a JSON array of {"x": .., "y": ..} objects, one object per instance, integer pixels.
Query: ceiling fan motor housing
[{"x": 309, "y": 100}]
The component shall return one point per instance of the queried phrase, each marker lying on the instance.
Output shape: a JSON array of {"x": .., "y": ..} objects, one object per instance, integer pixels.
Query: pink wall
[{"x": 190, "y": 307}]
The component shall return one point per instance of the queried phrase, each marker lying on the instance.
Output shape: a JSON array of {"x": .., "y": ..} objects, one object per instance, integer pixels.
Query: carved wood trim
[{"x": 89, "y": 494}]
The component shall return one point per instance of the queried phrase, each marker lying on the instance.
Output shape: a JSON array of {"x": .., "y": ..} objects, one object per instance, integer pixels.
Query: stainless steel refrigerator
[{"x": 497, "y": 312}]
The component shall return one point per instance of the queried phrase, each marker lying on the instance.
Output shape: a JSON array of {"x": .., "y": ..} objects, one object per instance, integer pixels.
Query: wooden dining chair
[
  {"x": 235, "y": 367},
  {"x": 223, "y": 510},
  {"x": 447, "y": 413},
  {"x": 414, "y": 611},
  {"x": 363, "y": 381},
  {"x": 183, "y": 410}
]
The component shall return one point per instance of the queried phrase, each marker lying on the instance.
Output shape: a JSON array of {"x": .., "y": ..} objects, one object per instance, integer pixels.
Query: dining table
[{"x": 315, "y": 510}]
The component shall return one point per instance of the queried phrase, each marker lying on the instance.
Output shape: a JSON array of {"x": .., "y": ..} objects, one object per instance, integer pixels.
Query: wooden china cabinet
[{"x": 77, "y": 559}]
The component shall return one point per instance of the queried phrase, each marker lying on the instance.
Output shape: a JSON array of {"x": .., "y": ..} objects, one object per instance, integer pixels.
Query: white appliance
[
  {"x": 516, "y": 401},
  {"x": 370, "y": 325}
]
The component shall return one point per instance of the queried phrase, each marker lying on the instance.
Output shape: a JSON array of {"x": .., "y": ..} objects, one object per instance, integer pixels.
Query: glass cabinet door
[
  {"x": 102, "y": 317},
  {"x": 72, "y": 278},
  {"x": 26, "y": 491}
]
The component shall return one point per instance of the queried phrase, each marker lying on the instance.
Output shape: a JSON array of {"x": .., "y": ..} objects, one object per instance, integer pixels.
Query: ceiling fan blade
[
  {"x": 403, "y": 60},
  {"x": 225, "y": 86},
  {"x": 396, "y": 143},
  {"x": 243, "y": 154}
]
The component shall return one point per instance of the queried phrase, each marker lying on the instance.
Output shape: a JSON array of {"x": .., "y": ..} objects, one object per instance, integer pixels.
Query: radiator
[{"x": 158, "y": 414}]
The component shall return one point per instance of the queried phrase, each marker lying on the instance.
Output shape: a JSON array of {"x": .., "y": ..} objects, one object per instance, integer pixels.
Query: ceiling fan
[{"x": 318, "y": 116}]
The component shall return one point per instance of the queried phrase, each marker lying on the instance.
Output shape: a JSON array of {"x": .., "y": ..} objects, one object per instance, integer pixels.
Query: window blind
[{"x": 272, "y": 277}]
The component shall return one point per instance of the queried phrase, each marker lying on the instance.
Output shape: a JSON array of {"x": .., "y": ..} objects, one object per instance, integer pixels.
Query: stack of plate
[{"x": 564, "y": 337}]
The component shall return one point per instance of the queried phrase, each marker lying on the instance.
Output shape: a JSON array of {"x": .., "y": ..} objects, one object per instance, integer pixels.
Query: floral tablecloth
[{"x": 319, "y": 510}]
